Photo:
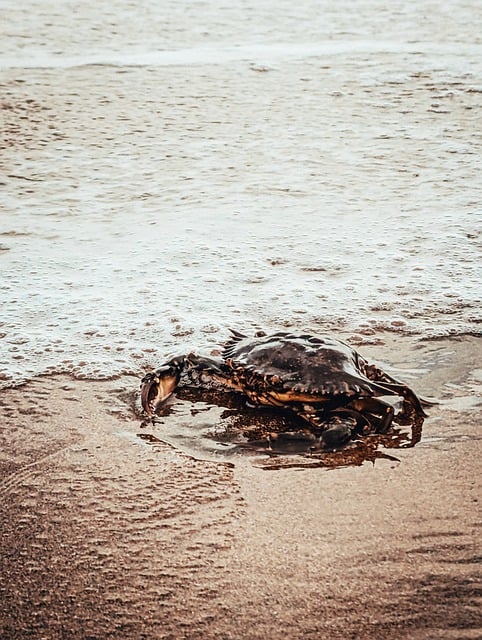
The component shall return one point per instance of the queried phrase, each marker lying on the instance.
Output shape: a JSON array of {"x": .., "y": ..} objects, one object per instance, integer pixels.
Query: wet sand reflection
[{"x": 216, "y": 425}]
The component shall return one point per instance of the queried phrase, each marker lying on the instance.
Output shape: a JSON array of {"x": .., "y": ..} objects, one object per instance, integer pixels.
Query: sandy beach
[
  {"x": 169, "y": 171},
  {"x": 107, "y": 533}
]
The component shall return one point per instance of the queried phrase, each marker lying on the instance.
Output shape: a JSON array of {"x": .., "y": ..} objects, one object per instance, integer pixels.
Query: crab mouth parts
[{"x": 156, "y": 389}]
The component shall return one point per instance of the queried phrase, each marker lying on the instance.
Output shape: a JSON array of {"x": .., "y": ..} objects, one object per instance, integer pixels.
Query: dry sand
[{"x": 108, "y": 535}]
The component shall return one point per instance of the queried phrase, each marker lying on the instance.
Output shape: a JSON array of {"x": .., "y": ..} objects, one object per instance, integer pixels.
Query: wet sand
[{"x": 106, "y": 534}]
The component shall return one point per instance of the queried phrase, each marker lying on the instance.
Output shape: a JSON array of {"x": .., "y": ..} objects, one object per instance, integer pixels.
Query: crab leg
[
  {"x": 379, "y": 410},
  {"x": 392, "y": 385},
  {"x": 406, "y": 393},
  {"x": 191, "y": 370},
  {"x": 209, "y": 373},
  {"x": 337, "y": 427}
]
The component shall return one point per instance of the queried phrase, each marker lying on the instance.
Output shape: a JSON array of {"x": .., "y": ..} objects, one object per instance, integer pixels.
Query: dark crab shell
[{"x": 318, "y": 367}]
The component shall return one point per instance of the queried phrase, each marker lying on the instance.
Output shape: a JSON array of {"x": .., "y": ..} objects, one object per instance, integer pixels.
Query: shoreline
[
  {"x": 253, "y": 165},
  {"x": 108, "y": 535},
  {"x": 94, "y": 163},
  {"x": 222, "y": 53}
]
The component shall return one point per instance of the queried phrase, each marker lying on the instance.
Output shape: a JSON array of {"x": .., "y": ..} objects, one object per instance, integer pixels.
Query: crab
[{"x": 321, "y": 379}]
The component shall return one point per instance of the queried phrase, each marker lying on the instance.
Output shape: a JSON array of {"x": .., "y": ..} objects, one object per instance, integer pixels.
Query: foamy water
[{"x": 286, "y": 170}]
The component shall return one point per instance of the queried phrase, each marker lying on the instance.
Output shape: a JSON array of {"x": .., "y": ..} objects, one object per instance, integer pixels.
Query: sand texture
[
  {"x": 168, "y": 171},
  {"x": 109, "y": 533}
]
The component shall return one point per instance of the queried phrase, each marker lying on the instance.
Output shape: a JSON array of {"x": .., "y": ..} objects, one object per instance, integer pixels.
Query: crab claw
[{"x": 156, "y": 387}]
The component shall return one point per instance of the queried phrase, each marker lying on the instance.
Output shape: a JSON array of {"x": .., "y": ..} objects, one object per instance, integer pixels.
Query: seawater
[{"x": 151, "y": 200}]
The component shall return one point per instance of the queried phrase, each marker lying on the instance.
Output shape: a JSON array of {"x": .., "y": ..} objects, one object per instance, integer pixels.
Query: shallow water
[{"x": 287, "y": 170}]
